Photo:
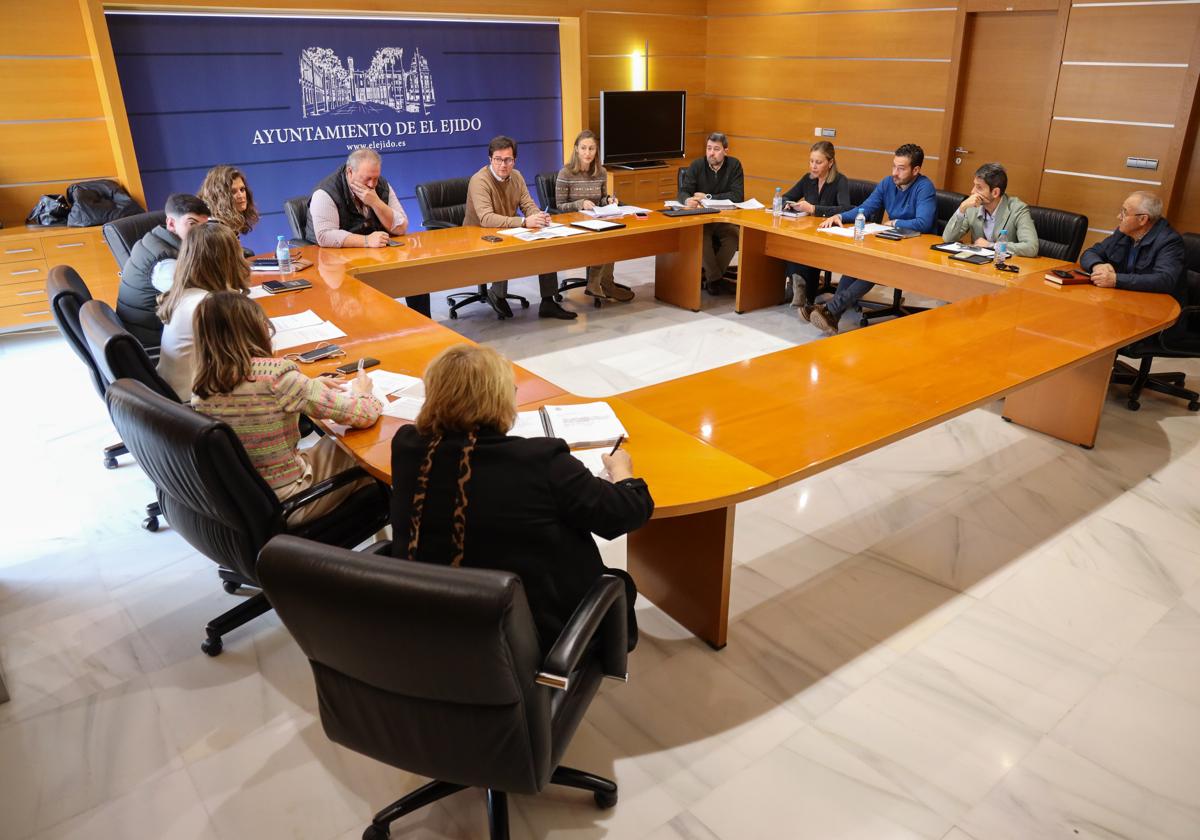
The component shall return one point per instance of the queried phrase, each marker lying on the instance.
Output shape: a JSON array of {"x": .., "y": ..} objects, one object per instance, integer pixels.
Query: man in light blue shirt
[{"x": 911, "y": 204}]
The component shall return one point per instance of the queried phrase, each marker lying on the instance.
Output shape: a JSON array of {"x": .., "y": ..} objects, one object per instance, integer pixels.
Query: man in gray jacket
[
  {"x": 152, "y": 259},
  {"x": 989, "y": 210}
]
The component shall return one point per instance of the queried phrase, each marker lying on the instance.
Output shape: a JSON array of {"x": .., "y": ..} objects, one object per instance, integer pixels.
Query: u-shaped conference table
[{"x": 707, "y": 441}]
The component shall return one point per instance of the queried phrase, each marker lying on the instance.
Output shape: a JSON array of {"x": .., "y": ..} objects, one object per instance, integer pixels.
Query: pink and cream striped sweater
[{"x": 264, "y": 412}]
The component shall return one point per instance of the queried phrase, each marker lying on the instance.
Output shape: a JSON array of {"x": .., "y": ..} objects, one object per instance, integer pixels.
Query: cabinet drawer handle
[
  {"x": 35, "y": 314},
  {"x": 31, "y": 292},
  {"x": 18, "y": 250},
  {"x": 71, "y": 245},
  {"x": 24, "y": 271}
]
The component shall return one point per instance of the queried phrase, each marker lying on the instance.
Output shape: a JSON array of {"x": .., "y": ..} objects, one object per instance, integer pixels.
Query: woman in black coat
[
  {"x": 466, "y": 493},
  {"x": 822, "y": 192}
]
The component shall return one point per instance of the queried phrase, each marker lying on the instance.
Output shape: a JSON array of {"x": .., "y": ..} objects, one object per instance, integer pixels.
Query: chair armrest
[
  {"x": 1164, "y": 337},
  {"x": 322, "y": 488},
  {"x": 601, "y": 611},
  {"x": 437, "y": 224}
]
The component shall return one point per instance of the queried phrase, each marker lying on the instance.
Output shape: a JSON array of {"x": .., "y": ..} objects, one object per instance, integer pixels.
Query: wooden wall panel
[
  {"x": 54, "y": 151},
  {"x": 66, "y": 89},
  {"x": 855, "y": 126},
  {"x": 1160, "y": 34},
  {"x": 665, "y": 74},
  {"x": 1133, "y": 94},
  {"x": 721, "y": 9},
  {"x": 1099, "y": 200},
  {"x": 908, "y": 83},
  {"x": 868, "y": 35},
  {"x": 622, "y": 34},
  {"x": 41, "y": 27},
  {"x": 1102, "y": 149},
  {"x": 1185, "y": 214},
  {"x": 780, "y": 161}
]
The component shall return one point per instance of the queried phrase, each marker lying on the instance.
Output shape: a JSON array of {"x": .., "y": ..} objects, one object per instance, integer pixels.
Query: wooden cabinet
[
  {"x": 26, "y": 256},
  {"x": 647, "y": 188}
]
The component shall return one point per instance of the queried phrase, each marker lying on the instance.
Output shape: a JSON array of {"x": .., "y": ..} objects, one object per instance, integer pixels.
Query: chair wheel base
[
  {"x": 558, "y": 297},
  {"x": 604, "y": 801},
  {"x": 863, "y": 322},
  {"x": 453, "y": 315},
  {"x": 150, "y": 523},
  {"x": 1133, "y": 405},
  {"x": 110, "y": 463},
  {"x": 376, "y": 832},
  {"x": 231, "y": 586},
  {"x": 1194, "y": 405},
  {"x": 524, "y": 303},
  {"x": 213, "y": 647}
]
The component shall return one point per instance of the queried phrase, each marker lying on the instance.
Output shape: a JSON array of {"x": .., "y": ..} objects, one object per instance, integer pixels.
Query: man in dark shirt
[
  {"x": 716, "y": 176},
  {"x": 1144, "y": 253}
]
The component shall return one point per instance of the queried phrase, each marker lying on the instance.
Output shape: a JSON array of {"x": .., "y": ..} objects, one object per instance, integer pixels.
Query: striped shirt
[
  {"x": 572, "y": 189},
  {"x": 264, "y": 411}
]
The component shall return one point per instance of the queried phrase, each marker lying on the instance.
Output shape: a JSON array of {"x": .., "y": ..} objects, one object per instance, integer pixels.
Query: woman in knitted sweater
[
  {"x": 239, "y": 382},
  {"x": 583, "y": 185}
]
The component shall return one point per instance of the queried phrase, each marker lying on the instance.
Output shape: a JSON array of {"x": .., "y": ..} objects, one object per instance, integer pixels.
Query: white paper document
[
  {"x": 848, "y": 230},
  {"x": 406, "y": 408},
  {"x": 959, "y": 247},
  {"x": 718, "y": 203},
  {"x": 673, "y": 204},
  {"x": 548, "y": 232},
  {"x": 528, "y": 425},
  {"x": 395, "y": 383},
  {"x": 588, "y": 424},
  {"x": 592, "y": 460},
  {"x": 321, "y": 331},
  {"x": 307, "y": 318},
  {"x": 257, "y": 292},
  {"x": 613, "y": 211},
  {"x": 750, "y": 204}
]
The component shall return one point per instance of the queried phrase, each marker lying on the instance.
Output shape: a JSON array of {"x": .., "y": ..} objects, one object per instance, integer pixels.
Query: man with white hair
[
  {"x": 354, "y": 207},
  {"x": 1144, "y": 253}
]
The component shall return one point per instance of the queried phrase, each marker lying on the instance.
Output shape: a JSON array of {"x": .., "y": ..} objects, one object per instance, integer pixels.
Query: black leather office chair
[
  {"x": 947, "y": 203},
  {"x": 118, "y": 355},
  {"x": 1181, "y": 341},
  {"x": 860, "y": 191},
  {"x": 443, "y": 204},
  {"x": 212, "y": 495},
  {"x": 296, "y": 211},
  {"x": 122, "y": 234},
  {"x": 67, "y": 294},
  {"x": 437, "y": 671},
  {"x": 731, "y": 272},
  {"x": 1060, "y": 233}
]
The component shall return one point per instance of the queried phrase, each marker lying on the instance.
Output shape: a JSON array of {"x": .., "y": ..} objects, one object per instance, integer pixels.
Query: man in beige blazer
[{"x": 989, "y": 210}]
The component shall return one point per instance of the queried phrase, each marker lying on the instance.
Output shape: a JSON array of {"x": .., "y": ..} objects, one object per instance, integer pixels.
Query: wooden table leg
[
  {"x": 682, "y": 564},
  {"x": 760, "y": 278},
  {"x": 677, "y": 273},
  {"x": 1067, "y": 405}
]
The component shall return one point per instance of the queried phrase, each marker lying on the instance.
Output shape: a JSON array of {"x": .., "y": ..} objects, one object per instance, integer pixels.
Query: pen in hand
[{"x": 617, "y": 445}]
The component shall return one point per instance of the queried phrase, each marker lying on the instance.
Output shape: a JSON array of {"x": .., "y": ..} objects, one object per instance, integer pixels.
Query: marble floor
[{"x": 975, "y": 633}]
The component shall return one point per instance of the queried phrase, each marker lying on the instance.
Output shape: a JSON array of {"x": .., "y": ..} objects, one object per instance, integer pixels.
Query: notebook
[{"x": 584, "y": 425}]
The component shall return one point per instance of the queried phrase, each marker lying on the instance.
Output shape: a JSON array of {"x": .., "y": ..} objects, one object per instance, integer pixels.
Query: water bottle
[
  {"x": 283, "y": 254},
  {"x": 860, "y": 227},
  {"x": 1001, "y": 248},
  {"x": 777, "y": 203}
]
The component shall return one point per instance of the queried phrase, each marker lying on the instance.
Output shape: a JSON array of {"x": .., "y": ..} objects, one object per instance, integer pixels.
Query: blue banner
[{"x": 285, "y": 99}]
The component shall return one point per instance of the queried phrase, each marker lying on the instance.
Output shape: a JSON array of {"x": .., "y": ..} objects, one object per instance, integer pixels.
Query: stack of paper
[
  {"x": 583, "y": 425},
  {"x": 554, "y": 231},
  {"x": 592, "y": 460},
  {"x": 615, "y": 210},
  {"x": 749, "y": 204},
  {"x": 305, "y": 327},
  {"x": 408, "y": 390},
  {"x": 529, "y": 425},
  {"x": 848, "y": 231},
  {"x": 718, "y": 203}
]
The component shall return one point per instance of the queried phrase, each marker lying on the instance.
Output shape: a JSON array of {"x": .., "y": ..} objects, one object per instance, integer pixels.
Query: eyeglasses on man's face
[{"x": 503, "y": 161}]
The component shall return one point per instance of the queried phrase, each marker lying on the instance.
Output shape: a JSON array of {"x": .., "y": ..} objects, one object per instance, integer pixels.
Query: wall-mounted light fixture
[{"x": 639, "y": 68}]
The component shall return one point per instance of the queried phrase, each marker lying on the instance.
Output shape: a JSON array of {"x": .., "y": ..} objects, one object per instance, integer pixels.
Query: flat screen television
[{"x": 641, "y": 127}]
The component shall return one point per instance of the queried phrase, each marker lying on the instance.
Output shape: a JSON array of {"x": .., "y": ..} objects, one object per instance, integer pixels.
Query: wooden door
[{"x": 1009, "y": 71}]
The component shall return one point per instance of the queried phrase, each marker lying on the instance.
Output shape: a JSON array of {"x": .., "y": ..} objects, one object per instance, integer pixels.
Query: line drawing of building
[{"x": 327, "y": 86}]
